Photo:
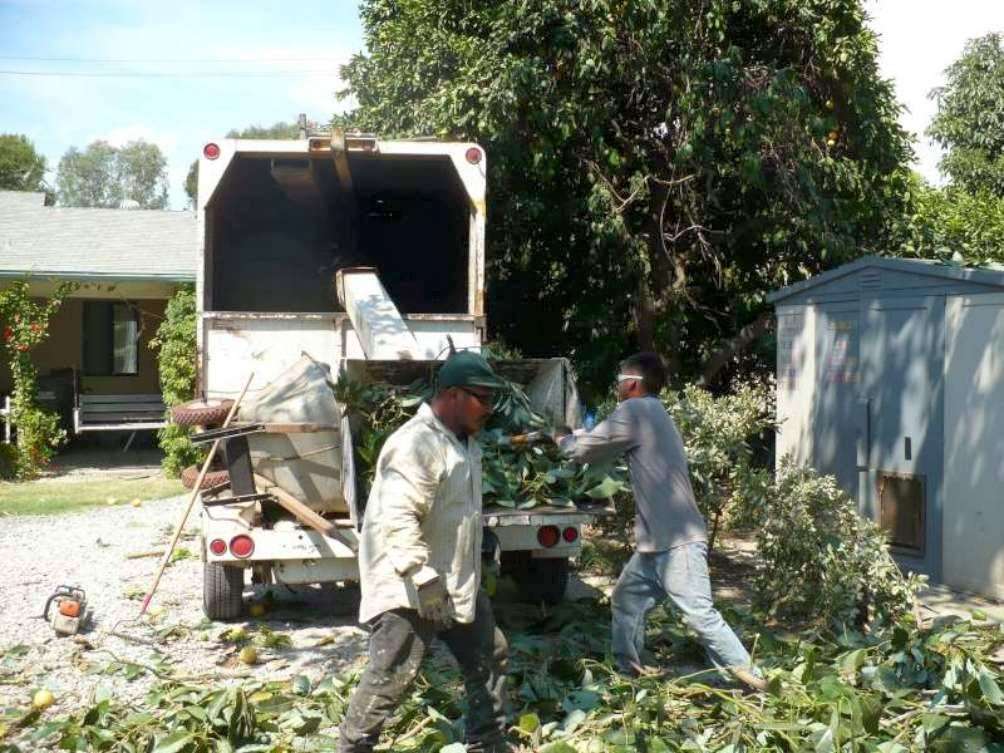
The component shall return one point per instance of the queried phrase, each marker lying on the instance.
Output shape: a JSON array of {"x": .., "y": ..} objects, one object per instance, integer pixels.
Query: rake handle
[{"x": 191, "y": 500}]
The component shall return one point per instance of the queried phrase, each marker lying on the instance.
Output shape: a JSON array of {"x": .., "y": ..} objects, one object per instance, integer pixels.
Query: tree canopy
[
  {"x": 969, "y": 123},
  {"x": 280, "y": 130},
  {"x": 952, "y": 224},
  {"x": 21, "y": 167},
  {"x": 104, "y": 176},
  {"x": 654, "y": 168}
]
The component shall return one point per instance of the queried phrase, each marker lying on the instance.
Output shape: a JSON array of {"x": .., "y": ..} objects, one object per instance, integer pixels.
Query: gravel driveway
[{"x": 89, "y": 549}]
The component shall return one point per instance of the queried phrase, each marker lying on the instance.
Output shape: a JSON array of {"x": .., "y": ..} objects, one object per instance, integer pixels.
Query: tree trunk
[{"x": 644, "y": 316}]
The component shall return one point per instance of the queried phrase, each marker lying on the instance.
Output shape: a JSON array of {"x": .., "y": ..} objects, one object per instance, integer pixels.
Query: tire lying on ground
[
  {"x": 201, "y": 412},
  {"x": 213, "y": 477}
]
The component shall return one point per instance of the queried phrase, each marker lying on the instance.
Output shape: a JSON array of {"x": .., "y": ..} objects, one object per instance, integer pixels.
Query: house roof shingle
[{"x": 90, "y": 243}]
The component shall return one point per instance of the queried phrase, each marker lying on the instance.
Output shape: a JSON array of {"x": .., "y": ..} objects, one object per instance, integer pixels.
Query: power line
[
  {"x": 172, "y": 60},
  {"x": 161, "y": 74}
]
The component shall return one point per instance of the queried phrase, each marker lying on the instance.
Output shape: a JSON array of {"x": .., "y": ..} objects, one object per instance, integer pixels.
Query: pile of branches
[
  {"x": 906, "y": 687},
  {"x": 523, "y": 476}
]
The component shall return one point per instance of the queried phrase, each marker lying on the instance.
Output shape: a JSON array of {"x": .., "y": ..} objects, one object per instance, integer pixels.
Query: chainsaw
[{"x": 70, "y": 613}]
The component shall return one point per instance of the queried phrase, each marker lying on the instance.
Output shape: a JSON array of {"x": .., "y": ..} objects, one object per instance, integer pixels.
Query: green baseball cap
[{"x": 466, "y": 368}]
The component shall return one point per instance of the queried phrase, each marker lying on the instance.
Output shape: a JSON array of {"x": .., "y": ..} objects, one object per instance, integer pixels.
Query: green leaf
[
  {"x": 301, "y": 685},
  {"x": 605, "y": 489},
  {"x": 585, "y": 700},
  {"x": 173, "y": 742},
  {"x": 991, "y": 690},
  {"x": 557, "y": 747}
]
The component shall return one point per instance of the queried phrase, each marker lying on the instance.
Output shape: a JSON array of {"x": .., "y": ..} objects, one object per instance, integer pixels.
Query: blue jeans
[{"x": 681, "y": 575}]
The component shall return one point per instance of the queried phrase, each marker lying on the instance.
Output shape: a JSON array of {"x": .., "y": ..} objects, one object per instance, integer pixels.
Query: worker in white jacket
[{"x": 420, "y": 562}]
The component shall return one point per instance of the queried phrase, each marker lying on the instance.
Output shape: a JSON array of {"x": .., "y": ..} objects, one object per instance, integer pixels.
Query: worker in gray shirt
[{"x": 671, "y": 557}]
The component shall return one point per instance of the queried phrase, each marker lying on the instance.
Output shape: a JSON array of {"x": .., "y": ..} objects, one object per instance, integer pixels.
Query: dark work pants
[{"x": 398, "y": 643}]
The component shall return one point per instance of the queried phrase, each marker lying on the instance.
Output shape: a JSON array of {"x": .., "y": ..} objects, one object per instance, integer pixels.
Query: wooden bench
[{"x": 130, "y": 413}]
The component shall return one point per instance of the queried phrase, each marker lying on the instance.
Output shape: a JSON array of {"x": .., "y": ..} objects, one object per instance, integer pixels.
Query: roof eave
[
  {"x": 180, "y": 277},
  {"x": 914, "y": 266}
]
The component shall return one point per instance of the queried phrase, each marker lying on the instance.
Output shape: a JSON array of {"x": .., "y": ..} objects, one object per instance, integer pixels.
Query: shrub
[
  {"x": 819, "y": 559},
  {"x": 8, "y": 462},
  {"x": 718, "y": 436},
  {"x": 26, "y": 324},
  {"x": 175, "y": 343}
]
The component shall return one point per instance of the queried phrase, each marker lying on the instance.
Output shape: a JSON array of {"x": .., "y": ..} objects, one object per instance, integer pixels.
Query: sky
[
  {"x": 271, "y": 61},
  {"x": 286, "y": 54}
]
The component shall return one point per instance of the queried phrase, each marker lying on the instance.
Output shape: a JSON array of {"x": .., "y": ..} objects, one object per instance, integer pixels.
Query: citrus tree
[{"x": 969, "y": 123}]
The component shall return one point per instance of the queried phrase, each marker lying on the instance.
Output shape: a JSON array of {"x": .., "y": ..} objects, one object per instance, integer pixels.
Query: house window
[{"x": 111, "y": 331}]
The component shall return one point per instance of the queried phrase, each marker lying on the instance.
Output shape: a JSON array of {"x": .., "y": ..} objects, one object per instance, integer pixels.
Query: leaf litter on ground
[{"x": 902, "y": 687}]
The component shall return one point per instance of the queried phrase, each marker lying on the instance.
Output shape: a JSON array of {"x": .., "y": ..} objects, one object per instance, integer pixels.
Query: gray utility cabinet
[{"x": 890, "y": 376}]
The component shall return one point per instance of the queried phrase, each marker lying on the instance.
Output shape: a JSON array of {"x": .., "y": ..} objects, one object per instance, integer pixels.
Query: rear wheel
[
  {"x": 222, "y": 591},
  {"x": 539, "y": 579}
]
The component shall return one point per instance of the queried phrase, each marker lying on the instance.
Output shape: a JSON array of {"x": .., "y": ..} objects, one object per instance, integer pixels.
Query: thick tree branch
[{"x": 731, "y": 348}]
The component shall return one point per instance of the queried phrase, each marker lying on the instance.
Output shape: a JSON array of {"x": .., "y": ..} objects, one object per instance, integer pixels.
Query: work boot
[{"x": 751, "y": 680}]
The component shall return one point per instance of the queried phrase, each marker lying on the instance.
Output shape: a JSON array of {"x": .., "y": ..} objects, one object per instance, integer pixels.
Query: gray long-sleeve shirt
[{"x": 666, "y": 514}]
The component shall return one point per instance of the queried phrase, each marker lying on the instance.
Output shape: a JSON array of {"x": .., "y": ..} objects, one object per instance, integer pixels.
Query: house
[
  {"x": 891, "y": 377},
  {"x": 128, "y": 263}
]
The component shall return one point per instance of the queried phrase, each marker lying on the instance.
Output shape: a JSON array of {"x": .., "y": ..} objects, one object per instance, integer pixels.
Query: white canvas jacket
[{"x": 424, "y": 510}]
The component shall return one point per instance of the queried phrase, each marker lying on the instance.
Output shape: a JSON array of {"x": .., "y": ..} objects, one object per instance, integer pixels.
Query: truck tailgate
[{"x": 496, "y": 515}]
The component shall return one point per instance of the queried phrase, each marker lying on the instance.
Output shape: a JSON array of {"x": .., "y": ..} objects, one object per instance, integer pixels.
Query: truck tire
[
  {"x": 222, "y": 591},
  {"x": 539, "y": 579},
  {"x": 201, "y": 412},
  {"x": 213, "y": 478}
]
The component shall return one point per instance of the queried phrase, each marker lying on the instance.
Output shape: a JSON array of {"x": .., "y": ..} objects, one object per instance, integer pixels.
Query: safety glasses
[{"x": 486, "y": 401}]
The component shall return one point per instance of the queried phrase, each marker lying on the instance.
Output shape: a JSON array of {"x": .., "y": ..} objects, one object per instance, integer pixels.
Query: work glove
[
  {"x": 559, "y": 432},
  {"x": 524, "y": 440},
  {"x": 434, "y": 602}
]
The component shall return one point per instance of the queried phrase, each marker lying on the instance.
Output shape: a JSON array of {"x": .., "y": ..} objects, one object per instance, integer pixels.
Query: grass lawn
[{"x": 53, "y": 496}]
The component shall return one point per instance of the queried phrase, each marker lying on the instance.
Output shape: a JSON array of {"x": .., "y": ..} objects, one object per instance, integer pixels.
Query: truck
[{"x": 366, "y": 257}]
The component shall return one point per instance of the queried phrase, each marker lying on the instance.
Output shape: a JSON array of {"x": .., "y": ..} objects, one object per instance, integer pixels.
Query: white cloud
[
  {"x": 316, "y": 95},
  {"x": 918, "y": 39},
  {"x": 122, "y": 135}
]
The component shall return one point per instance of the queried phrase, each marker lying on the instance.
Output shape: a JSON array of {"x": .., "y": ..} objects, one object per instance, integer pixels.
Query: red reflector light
[
  {"x": 570, "y": 534},
  {"x": 548, "y": 536},
  {"x": 241, "y": 546},
  {"x": 473, "y": 155},
  {"x": 211, "y": 151},
  {"x": 218, "y": 547}
]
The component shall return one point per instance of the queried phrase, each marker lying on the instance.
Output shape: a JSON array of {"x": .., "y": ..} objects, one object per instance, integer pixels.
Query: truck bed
[{"x": 497, "y": 515}]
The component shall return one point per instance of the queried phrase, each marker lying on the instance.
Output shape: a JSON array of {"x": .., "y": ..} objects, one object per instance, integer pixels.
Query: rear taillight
[
  {"x": 211, "y": 151},
  {"x": 473, "y": 155},
  {"x": 218, "y": 547},
  {"x": 548, "y": 536},
  {"x": 241, "y": 546},
  {"x": 570, "y": 534}
]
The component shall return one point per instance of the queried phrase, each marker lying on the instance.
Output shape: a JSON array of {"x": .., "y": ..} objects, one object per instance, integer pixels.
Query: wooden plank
[
  {"x": 297, "y": 428},
  {"x": 122, "y": 415},
  {"x": 142, "y": 398},
  {"x": 119, "y": 427},
  {"x": 124, "y": 407},
  {"x": 303, "y": 513}
]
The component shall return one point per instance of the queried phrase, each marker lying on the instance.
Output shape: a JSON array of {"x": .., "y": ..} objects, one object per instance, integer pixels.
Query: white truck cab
[{"x": 283, "y": 226}]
